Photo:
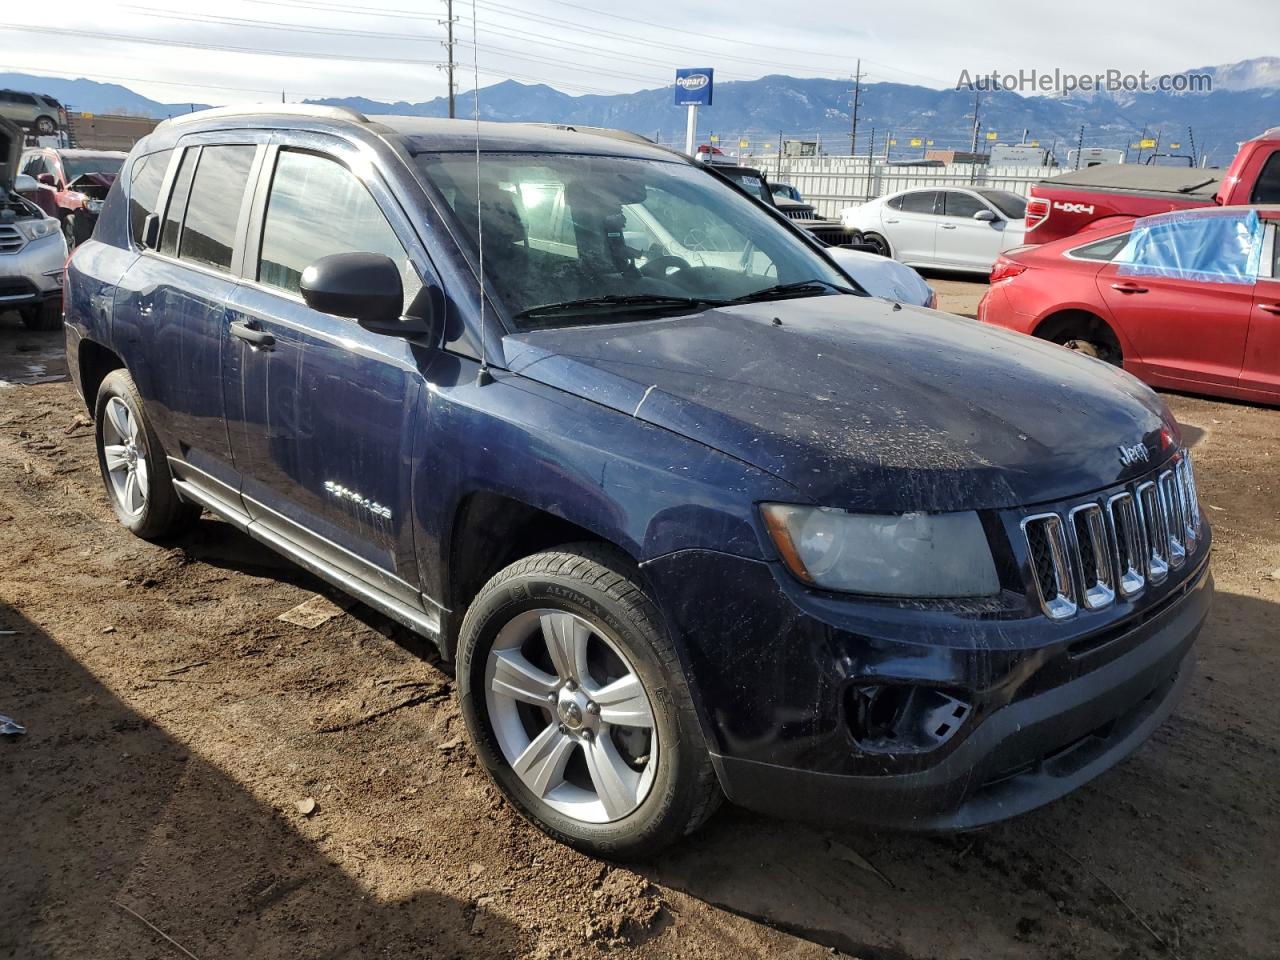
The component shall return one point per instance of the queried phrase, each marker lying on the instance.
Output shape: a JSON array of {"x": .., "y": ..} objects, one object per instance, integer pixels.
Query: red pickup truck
[{"x": 1063, "y": 205}]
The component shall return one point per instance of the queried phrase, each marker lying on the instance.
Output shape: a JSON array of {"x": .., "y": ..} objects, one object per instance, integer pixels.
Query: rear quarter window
[
  {"x": 146, "y": 178},
  {"x": 1104, "y": 251}
]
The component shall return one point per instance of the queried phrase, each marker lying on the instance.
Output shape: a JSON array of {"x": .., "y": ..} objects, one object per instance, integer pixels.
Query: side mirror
[
  {"x": 24, "y": 183},
  {"x": 985, "y": 215},
  {"x": 366, "y": 287},
  {"x": 47, "y": 179}
]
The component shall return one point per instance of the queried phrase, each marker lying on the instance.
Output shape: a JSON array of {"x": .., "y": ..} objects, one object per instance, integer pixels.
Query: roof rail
[{"x": 270, "y": 109}]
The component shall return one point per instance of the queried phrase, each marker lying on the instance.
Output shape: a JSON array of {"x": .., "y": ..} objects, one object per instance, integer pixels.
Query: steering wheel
[{"x": 661, "y": 266}]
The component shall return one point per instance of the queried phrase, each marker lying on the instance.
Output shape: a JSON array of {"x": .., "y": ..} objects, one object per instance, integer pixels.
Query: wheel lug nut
[
  {"x": 551, "y": 698},
  {"x": 587, "y": 735},
  {"x": 563, "y": 728},
  {"x": 570, "y": 686},
  {"x": 593, "y": 708}
]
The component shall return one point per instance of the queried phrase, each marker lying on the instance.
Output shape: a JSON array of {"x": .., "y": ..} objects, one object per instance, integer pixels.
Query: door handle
[
  {"x": 251, "y": 332},
  {"x": 1270, "y": 308},
  {"x": 894, "y": 220},
  {"x": 947, "y": 226},
  {"x": 1128, "y": 288}
]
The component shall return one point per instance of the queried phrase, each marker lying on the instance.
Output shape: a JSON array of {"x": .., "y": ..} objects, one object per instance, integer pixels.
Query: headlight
[
  {"x": 35, "y": 229},
  {"x": 903, "y": 555}
]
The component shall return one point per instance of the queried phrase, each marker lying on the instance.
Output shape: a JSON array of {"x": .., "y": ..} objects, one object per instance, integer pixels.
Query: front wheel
[
  {"x": 879, "y": 244},
  {"x": 577, "y": 706}
]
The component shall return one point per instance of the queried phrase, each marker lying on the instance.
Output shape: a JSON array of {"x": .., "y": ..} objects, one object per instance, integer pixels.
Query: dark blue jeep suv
[{"x": 692, "y": 515}]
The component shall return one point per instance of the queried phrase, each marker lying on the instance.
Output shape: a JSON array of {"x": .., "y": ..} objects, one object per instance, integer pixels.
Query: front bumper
[
  {"x": 34, "y": 273},
  {"x": 770, "y": 674}
]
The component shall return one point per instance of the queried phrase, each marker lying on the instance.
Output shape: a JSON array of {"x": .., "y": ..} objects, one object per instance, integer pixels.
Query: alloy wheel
[
  {"x": 571, "y": 715},
  {"x": 126, "y": 457}
]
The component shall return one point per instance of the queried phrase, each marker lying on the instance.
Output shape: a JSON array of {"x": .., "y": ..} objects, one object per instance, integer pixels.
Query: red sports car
[{"x": 1187, "y": 300}]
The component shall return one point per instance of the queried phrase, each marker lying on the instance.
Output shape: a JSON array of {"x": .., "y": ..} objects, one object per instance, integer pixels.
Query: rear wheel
[
  {"x": 878, "y": 243},
  {"x": 1086, "y": 334},
  {"x": 576, "y": 703},
  {"x": 46, "y": 126},
  {"x": 133, "y": 464}
]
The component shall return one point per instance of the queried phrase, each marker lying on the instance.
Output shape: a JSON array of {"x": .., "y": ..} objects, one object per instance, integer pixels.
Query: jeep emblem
[{"x": 1131, "y": 455}]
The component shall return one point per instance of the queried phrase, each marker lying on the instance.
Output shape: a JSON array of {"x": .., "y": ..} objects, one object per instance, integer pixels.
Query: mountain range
[{"x": 1244, "y": 102}]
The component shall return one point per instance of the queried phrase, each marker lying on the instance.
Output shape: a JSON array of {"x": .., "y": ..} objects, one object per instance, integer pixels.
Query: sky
[{"x": 390, "y": 49}]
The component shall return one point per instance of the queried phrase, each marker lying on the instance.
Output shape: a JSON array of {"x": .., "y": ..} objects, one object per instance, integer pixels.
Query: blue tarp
[{"x": 1208, "y": 247}]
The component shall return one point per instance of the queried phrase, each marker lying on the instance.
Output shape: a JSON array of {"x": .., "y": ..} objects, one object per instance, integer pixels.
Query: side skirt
[{"x": 196, "y": 487}]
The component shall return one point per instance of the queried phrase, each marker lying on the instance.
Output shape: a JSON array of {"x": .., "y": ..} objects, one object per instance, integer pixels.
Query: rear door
[
  {"x": 322, "y": 412},
  {"x": 911, "y": 223},
  {"x": 176, "y": 300},
  {"x": 1261, "y": 371},
  {"x": 963, "y": 241}
]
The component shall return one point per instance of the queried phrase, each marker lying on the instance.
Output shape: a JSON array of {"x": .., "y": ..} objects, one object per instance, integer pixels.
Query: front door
[
  {"x": 963, "y": 241},
  {"x": 323, "y": 420}
]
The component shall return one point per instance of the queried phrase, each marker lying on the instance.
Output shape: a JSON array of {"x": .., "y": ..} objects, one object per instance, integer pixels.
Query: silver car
[
  {"x": 42, "y": 115},
  {"x": 32, "y": 249}
]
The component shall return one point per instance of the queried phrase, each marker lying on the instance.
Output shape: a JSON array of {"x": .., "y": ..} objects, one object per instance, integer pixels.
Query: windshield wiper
[
  {"x": 587, "y": 304},
  {"x": 801, "y": 288}
]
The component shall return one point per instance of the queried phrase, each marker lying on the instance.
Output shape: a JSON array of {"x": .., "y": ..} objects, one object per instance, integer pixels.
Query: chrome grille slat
[
  {"x": 1052, "y": 564},
  {"x": 11, "y": 239},
  {"x": 1095, "y": 552},
  {"x": 1175, "y": 527},
  {"x": 1130, "y": 547}
]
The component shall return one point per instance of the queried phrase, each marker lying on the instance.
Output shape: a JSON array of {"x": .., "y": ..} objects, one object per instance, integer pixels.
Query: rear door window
[
  {"x": 317, "y": 208},
  {"x": 922, "y": 201},
  {"x": 147, "y": 176},
  {"x": 213, "y": 210}
]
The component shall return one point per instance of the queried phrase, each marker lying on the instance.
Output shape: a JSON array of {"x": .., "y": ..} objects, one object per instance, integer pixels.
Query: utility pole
[
  {"x": 779, "y": 154},
  {"x": 857, "y": 96},
  {"x": 973, "y": 144},
  {"x": 1191, "y": 139},
  {"x": 1140, "y": 139},
  {"x": 448, "y": 44},
  {"x": 1080, "y": 147}
]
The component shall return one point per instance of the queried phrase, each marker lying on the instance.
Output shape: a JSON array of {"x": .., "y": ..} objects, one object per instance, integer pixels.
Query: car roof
[{"x": 421, "y": 134}]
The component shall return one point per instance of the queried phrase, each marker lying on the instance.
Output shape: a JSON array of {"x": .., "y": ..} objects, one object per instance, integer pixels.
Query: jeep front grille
[
  {"x": 1098, "y": 550},
  {"x": 11, "y": 239}
]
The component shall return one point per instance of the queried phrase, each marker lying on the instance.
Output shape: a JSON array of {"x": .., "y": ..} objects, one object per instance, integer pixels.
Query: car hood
[{"x": 862, "y": 404}]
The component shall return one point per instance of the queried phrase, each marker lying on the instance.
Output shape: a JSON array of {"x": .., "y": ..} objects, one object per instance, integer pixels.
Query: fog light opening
[{"x": 903, "y": 718}]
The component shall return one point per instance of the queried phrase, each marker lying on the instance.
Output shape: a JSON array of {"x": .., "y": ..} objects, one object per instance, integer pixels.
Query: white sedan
[{"x": 953, "y": 228}]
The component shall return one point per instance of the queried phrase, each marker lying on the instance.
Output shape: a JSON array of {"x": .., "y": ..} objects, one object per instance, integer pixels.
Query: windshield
[
  {"x": 94, "y": 163},
  {"x": 1010, "y": 204},
  {"x": 631, "y": 236}
]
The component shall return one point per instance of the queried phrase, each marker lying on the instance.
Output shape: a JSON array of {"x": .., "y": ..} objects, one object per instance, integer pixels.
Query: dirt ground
[{"x": 174, "y": 723}]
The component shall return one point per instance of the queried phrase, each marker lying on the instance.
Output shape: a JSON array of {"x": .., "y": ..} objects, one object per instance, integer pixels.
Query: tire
[
  {"x": 46, "y": 316},
  {"x": 662, "y": 784},
  {"x": 139, "y": 484},
  {"x": 46, "y": 126},
  {"x": 880, "y": 243}
]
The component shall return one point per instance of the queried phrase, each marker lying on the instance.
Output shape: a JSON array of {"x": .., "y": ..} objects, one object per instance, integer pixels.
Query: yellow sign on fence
[
  {"x": 916, "y": 142},
  {"x": 1146, "y": 144}
]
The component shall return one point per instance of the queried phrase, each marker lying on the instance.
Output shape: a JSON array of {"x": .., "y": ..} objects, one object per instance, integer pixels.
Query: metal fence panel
[{"x": 833, "y": 183}]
